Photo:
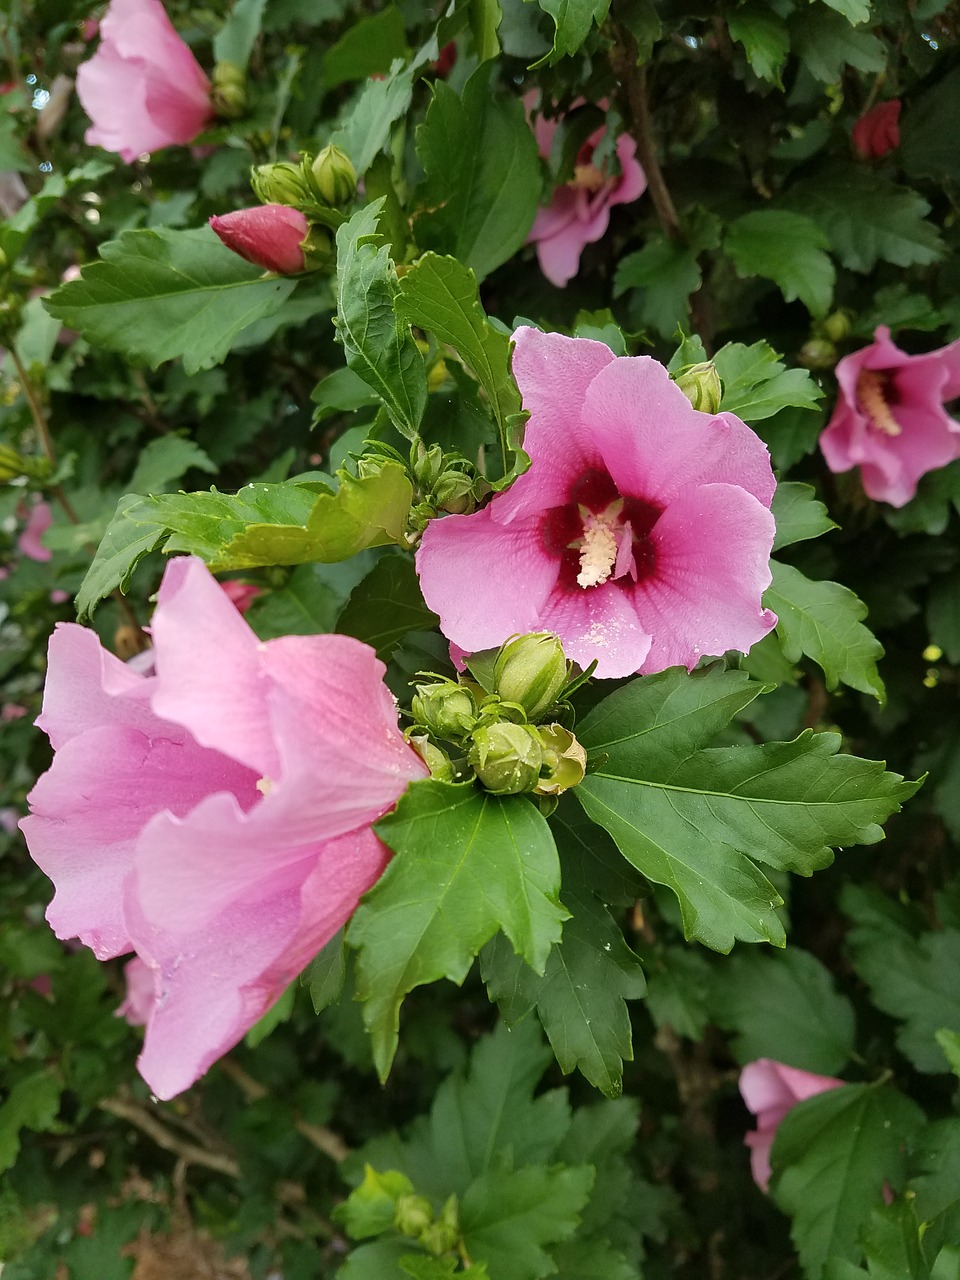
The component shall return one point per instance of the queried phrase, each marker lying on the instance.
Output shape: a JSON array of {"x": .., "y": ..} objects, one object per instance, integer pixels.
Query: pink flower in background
[
  {"x": 138, "y": 1003},
  {"x": 269, "y": 236},
  {"x": 143, "y": 88},
  {"x": 214, "y": 818},
  {"x": 877, "y": 132},
  {"x": 579, "y": 211},
  {"x": 640, "y": 535},
  {"x": 242, "y": 594},
  {"x": 29, "y": 542},
  {"x": 890, "y": 419},
  {"x": 769, "y": 1089}
]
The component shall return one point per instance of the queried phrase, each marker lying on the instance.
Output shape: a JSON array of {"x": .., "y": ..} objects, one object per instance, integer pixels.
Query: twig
[
  {"x": 323, "y": 1139},
  {"x": 187, "y": 1152}
]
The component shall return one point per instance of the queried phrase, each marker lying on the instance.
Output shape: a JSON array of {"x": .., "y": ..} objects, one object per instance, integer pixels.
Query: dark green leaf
[
  {"x": 483, "y": 174},
  {"x": 826, "y": 43},
  {"x": 678, "y": 981},
  {"x": 928, "y": 132},
  {"x": 326, "y": 972},
  {"x": 823, "y": 621},
  {"x": 342, "y": 391},
  {"x": 166, "y": 460},
  {"x": 668, "y": 273},
  {"x": 379, "y": 347},
  {"x": 32, "y": 1103},
  {"x": 943, "y": 614},
  {"x": 469, "y": 863},
  {"x": 157, "y": 295},
  {"x": 786, "y": 248},
  {"x": 386, "y": 606},
  {"x": 365, "y": 49},
  {"x": 798, "y": 513},
  {"x": 304, "y": 606},
  {"x": 764, "y": 37},
  {"x": 485, "y": 19},
  {"x": 936, "y": 1180},
  {"x": 366, "y": 131},
  {"x": 573, "y": 20}
]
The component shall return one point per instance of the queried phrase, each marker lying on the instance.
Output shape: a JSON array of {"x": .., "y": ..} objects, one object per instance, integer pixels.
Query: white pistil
[{"x": 873, "y": 402}]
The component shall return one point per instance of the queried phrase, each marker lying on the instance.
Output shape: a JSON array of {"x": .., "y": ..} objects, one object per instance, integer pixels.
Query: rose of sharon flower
[
  {"x": 877, "y": 132},
  {"x": 579, "y": 211},
  {"x": 29, "y": 542},
  {"x": 141, "y": 997},
  {"x": 640, "y": 535},
  {"x": 213, "y": 818},
  {"x": 889, "y": 418},
  {"x": 143, "y": 88},
  {"x": 769, "y": 1089},
  {"x": 269, "y": 236}
]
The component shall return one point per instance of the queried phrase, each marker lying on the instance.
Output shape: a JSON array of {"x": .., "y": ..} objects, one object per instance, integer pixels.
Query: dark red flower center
[{"x": 600, "y": 535}]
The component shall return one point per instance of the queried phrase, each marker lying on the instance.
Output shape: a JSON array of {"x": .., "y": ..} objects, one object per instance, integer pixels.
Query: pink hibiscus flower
[
  {"x": 143, "y": 88},
  {"x": 214, "y": 818},
  {"x": 30, "y": 542},
  {"x": 769, "y": 1089},
  {"x": 640, "y": 535},
  {"x": 268, "y": 235},
  {"x": 579, "y": 211},
  {"x": 890, "y": 419}
]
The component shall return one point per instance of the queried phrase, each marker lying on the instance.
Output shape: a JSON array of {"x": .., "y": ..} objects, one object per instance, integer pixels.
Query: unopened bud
[
  {"x": 280, "y": 183},
  {"x": 701, "y": 384},
  {"x": 317, "y": 249},
  {"x": 446, "y": 710},
  {"x": 11, "y": 463},
  {"x": 531, "y": 670},
  {"x": 229, "y": 96},
  {"x": 413, "y": 1216},
  {"x": 436, "y": 375},
  {"x": 817, "y": 354},
  {"x": 428, "y": 467},
  {"x": 507, "y": 757},
  {"x": 836, "y": 327},
  {"x": 437, "y": 761},
  {"x": 453, "y": 493},
  {"x": 270, "y": 236},
  {"x": 334, "y": 177},
  {"x": 564, "y": 761}
]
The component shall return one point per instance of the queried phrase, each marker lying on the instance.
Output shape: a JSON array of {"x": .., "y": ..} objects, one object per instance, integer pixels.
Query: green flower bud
[
  {"x": 564, "y": 761},
  {"x": 700, "y": 383},
  {"x": 428, "y": 467},
  {"x": 436, "y": 375},
  {"x": 817, "y": 354},
  {"x": 836, "y": 327},
  {"x": 507, "y": 757},
  {"x": 414, "y": 1214},
  {"x": 446, "y": 710},
  {"x": 453, "y": 493},
  {"x": 437, "y": 761},
  {"x": 280, "y": 183},
  {"x": 11, "y": 464},
  {"x": 531, "y": 671},
  {"x": 229, "y": 96},
  {"x": 334, "y": 176}
]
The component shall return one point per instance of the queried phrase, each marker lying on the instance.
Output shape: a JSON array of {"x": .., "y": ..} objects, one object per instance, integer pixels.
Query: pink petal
[
  {"x": 209, "y": 668},
  {"x": 485, "y": 581},
  {"x": 597, "y": 623},
  {"x": 30, "y": 541},
  {"x": 559, "y": 256},
  {"x": 141, "y": 992},
  {"x": 712, "y": 566},
  {"x": 760, "y": 1144},
  {"x": 633, "y": 180}
]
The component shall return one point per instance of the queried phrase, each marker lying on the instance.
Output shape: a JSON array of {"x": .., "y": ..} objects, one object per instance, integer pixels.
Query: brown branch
[
  {"x": 187, "y": 1152},
  {"x": 319, "y": 1136}
]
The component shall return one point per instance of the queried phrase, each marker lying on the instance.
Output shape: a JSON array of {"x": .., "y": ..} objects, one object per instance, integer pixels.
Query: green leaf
[
  {"x": 31, "y": 1103},
  {"x": 756, "y": 385},
  {"x": 123, "y": 546},
  {"x": 764, "y": 37},
  {"x": 826, "y": 44},
  {"x": 936, "y": 1180},
  {"x": 911, "y": 978},
  {"x": 485, "y": 19},
  {"x": 943, "y": 614},
  {"x": 342, "y": 391},
  {"x": 868, "y": 219},
  {"x": 366, "y": 131},
  {"x": 786, "y": 248},
  {"x": 592, "y": 1260},
  {"x": 668, "y": 273},
  {"x": 483, "y": 174},
  {"x": 305, "y": 605},
  {"x": 695, "y": 820},
  {"x": 573, "y": 20},
  {"x": 855, "y": 11},
  {"x": 831, "y": 1158},
  {"x": 379, "y": 346},
  {"x": 798, "y": 513},
  {"x": 236, "y": 38},
  {"x": 823, "y": 620},
  {"x": 166, "y": 460},
  {"x": 370, "y": 1208},
  {"x": 928, "y": 132},
  {"x": 469, "y": 863},
  {"x": 441, "y": 296},
  {"x": 507, "y": 1217},
  {"x": 386, "y": 606},
  {"x": 784, "y": 1007},
  {"x": 157, "y": 295},
  {"x": 326, "y": 973},
  {"x": 365, "y": 49},
  {"x": 891, "y": 1244},
  {"x": 678, "y": 983},
  {"x": 580, "y": 999}
]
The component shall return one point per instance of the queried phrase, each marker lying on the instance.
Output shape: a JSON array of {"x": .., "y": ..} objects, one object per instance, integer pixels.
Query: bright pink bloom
[
  {"x": 269, "y": 236},
  {"x": 769, "y": 1089},
  {"x": 640, "y": 535},
  {"x": 214, "y": 817},
  {"x": 29, "y": 543},
  {"x": 143, "y": 88},
  {"x": 889, "y": 419},
  {"x": 242, "y": 594},
  {"x": 877, "y": 132},
  {"x": 579, "y": 211},
  {"x": 138, "y": 1003}
]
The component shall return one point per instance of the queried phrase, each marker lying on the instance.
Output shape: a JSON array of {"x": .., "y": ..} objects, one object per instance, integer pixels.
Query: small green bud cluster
[
  {"x": 701, "y": 384},
  {"x": 820, "y": 349},
  {"x": 442, "y": 482},
  {"x": 229, "y": 95},
  {"x": 319, "y": 186},
  {"x": 438, "y": 1234},
  {"x": 14, "y": 464},
  {"x": 388, "y": 1201},
  {"x": 493, "y": 729}
]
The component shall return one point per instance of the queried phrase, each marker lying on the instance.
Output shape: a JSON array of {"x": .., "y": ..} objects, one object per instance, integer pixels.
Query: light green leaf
[
  {"x": 831, "y": 1158},
  {"x": 786, "y": 1007},
  {"x": 574, "y": 20},
  {"x": 365, "y": 49},
  {"x": 823, "y": 621},
  {"x": 127, "y": 540},
  {"x": 483, "y": 174},
  {"x": 697, "y": 820},
  {"x": 764, "y": 36},
  {"x": 798, "y": 513},
  {"x": 236, "y": 38},
  {"x": 166, "y": 460},
  {"x": 756, "y": 385},
  {"x": 508, "y": 1216},
  {"x": 868, "y": 219},
  {"x": 855, "y": 11},
  {"x": 891, "y": 1244},
  {"x": 366, "y": 130},
  {"x": 326, "y": 972},
  {"x": 469, "y": 863},
  {"x": 157, "y": 295},
  {"x": 786, "y": 248},
  {"x": 485, "y": 19},
  {"x": 379, "y": 347},
  {"x": 936, "y": 1181}
]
